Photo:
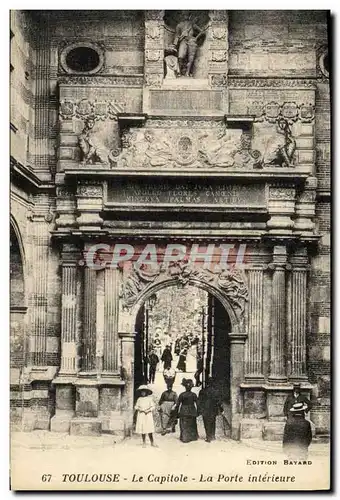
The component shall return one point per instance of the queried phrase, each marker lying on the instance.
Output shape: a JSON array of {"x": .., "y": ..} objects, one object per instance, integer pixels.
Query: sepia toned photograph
[{"x": 170, "y": 250}]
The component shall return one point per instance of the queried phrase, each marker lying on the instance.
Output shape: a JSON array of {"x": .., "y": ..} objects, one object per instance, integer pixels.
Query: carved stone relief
[
  {"x": 290, "y": 111},
  {"x": 276, "y": 143},
  {"x": 85, "y": 108},
  {"x": 99, "y": 141},
  {"x": 187, "y": 146},
  {"x": 231, "y": 283}
]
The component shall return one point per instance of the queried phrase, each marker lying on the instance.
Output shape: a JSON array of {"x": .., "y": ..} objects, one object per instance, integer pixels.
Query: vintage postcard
[{"x": 170, "y": 250}]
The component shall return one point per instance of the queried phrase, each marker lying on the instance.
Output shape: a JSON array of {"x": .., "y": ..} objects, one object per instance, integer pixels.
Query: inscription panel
[
  {"x": 186, "y": 101},
  {"x": 171, "y": 192}
]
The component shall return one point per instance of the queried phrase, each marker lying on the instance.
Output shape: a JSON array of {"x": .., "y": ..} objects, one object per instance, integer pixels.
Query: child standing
[{"x": 144, "y": 407}]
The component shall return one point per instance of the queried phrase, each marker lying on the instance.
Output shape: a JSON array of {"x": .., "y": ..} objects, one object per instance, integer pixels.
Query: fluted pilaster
[
  {"x": 90, "y": 313},
  {"x": 298, "y": 314},
  {"x": 254, "y": 348},
  {"x": 69, "y": 317},
  {"x": 111, "y": 320},
  {"x": 278, "y": 316}
]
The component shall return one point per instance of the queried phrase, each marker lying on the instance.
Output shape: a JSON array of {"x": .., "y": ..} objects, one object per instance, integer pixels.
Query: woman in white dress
[{"x": 144, "y": 408}]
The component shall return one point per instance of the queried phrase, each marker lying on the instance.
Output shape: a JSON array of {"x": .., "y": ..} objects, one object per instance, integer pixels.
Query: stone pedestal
[
  {"x": 89, "y": 205},
  {"x": 305, "y": 208},
  {"x": 110, "y": 409},
  {"x": 87, "y": 400},
  {"x": 128, "y": 356},
  {"x": 273, "y": 431},
  {"x": 281, "y": 206},
  {"x": 85, "y": 427},
  {"x": 65, "y": 404}
]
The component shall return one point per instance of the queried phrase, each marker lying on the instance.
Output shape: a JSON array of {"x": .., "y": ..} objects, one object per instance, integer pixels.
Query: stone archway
[{"x": 228, "y": 286}]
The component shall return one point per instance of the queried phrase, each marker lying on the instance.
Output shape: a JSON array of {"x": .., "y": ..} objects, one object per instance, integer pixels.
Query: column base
[
  {"x": 61, "y": 421},
  {"x": 85, "y": 426},
  {"x": 277, "y": 379},
  {"x": 273, "y": 431},
  {"x": 251, "y": 429}
]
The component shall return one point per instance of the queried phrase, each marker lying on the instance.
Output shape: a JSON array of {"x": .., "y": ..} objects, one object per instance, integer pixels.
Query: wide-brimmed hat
[
  {"x": 298, "y": 407},
  {"x": 187, "y": 382},
  {"x": 144, "y": 388}
]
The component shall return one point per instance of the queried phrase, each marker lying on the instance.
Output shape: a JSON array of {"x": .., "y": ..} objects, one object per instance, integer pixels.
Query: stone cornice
[{"x": 25, "y": 174}]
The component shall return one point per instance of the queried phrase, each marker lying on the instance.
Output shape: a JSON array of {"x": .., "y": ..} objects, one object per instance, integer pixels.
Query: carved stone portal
[{"x": 230, "y": 283}]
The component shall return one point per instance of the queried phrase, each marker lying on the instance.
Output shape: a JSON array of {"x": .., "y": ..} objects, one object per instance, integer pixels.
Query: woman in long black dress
[
  {"x": 187, "y": 411},
  {"x": 181, "y": 365}
]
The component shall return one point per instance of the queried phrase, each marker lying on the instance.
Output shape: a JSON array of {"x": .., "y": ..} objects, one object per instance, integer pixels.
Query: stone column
[
  {"x": 112, "y": 277},
  {"x": 69, "y": 340},
  {"x": 154, "y": 48},
  {"x": 254, "y": 368},
  {"x": 218, "y": 48},
  {"x": 278, "y": 316},
  {"x": 237, "y": 342},
  {"x": 298, "y": 314},
  {"x": 89, "y": 325},
  {"x": 128, "y": 368}
]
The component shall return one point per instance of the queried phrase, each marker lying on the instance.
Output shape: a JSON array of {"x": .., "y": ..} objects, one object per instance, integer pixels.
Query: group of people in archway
[
  {"x": 184, "y": 408},
  {"x": 188, "y": 406},
  {"x": 182, "y": 345}
]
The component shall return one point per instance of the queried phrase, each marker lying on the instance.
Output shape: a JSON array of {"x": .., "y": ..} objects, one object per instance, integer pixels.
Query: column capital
[
  {"x": 127, "y": 336},
  {"x": 237, "y": 337},
  {"x": 277, "y": 266}
]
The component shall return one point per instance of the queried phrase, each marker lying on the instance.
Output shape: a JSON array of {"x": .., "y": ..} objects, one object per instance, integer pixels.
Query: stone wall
[
  {"x": 22, "y": 69},
  {"x": 275, "y": 43}
]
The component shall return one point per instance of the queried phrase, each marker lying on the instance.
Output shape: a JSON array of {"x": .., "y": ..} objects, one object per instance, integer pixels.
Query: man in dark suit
[
  {"x": 167, "y": 357},
  {"x": 209, "y": 407},
  {"x": 153, "y": 362},
  {"x": 296, "y": 397}
]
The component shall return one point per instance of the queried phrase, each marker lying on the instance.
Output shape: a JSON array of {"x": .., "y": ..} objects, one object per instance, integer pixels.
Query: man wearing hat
[
  {"x": 297, "y": 434},
  {"x": 296, "y": 397}
]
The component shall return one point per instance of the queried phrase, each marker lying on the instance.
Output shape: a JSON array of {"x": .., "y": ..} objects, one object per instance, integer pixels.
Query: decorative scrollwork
[{"x": 230, "y": 283}]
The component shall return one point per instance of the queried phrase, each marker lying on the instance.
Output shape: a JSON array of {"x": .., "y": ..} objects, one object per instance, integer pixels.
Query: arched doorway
[{"x": 190, "y": 320}]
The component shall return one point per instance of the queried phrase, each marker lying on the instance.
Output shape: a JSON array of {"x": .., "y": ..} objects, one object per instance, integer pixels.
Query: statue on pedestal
[{"x": 187, "y": 35}]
